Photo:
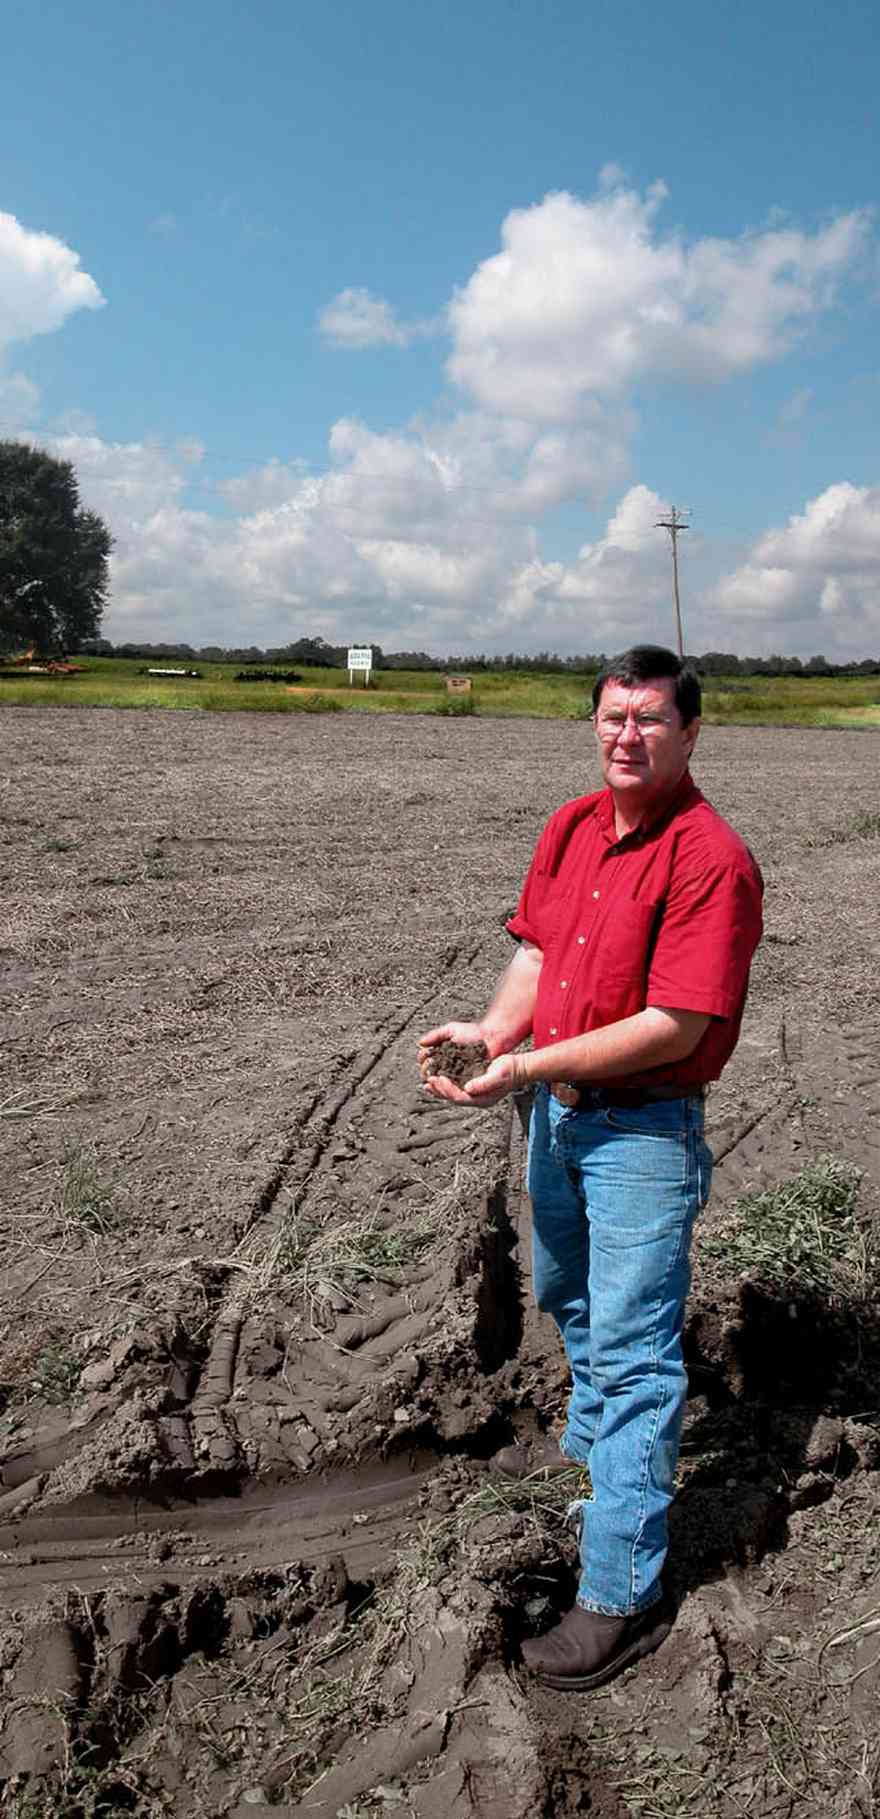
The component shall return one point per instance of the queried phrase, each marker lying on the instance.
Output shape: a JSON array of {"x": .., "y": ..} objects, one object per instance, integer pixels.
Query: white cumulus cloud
[
  {"x": 586, "y": 298},
  {"x": 124, "y": 481},
  {"x": 813, "y": 581},
  {"x": 41, "y": 283},
  {"x": 263, "y": 487},
  {"x": 617, "y": 588},
  {"x": 392, "y": 542},
  {"x": 19, "y": 402},
  {"x": 428, "y": 535},
  {"x": 356, "y": 319}
]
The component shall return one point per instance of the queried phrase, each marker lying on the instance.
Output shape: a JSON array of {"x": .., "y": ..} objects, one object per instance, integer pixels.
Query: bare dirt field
[{"x": 266, "y": 1306}]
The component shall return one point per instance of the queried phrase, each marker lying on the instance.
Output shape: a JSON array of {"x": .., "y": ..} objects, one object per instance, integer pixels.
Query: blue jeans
[{"x": 614, "y": 1195}]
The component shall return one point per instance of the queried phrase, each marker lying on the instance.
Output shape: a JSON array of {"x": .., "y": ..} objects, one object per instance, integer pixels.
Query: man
[{"x": 636, "y": 928}]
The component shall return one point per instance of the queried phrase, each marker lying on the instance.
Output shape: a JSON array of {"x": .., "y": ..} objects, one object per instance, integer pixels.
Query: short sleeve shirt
[{"x": 668, "y": 916}]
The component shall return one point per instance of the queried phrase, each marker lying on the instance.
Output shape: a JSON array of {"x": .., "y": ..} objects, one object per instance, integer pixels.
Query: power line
[{"x": 673, "y": 524}]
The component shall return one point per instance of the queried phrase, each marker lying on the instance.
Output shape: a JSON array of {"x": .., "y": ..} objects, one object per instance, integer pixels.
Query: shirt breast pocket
[
  {"x": 624, "y": 945},
  {"x": 561, "y": 914}
]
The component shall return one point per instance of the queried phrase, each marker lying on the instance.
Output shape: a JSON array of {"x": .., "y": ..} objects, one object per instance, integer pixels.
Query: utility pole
[{"x": 673, "y": 524}]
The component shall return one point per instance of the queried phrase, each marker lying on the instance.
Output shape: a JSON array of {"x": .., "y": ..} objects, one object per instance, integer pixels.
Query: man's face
[{"x": 644, "y": 746}]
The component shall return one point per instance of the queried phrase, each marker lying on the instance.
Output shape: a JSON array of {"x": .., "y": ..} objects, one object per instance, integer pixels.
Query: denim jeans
[{"x": 614, "y": 1195}]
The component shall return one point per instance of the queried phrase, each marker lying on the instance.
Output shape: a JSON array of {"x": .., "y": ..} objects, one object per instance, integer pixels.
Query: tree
[
  {"x": 315, "y": 651},
  {"x": 53, "y": 554}
]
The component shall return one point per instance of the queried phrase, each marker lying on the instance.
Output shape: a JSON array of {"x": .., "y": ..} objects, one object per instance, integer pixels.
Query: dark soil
[
  {"x": 458, "y": 1061},
  {"x": 267, "y": 1307}
]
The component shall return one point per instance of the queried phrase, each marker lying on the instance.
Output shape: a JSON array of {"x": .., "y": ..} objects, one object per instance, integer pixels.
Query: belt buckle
[{"x": 568, "y": 1095}]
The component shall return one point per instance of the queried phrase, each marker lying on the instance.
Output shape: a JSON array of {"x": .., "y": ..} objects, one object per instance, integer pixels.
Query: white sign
[{"x": 360, "y": 661}]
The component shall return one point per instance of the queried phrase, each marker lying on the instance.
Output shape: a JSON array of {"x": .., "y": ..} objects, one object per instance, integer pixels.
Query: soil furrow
[{"x": 143, "y": 1543}]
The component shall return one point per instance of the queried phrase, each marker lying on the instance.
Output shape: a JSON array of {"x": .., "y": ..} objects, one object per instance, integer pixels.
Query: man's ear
[{"x": 690, "y": 732}]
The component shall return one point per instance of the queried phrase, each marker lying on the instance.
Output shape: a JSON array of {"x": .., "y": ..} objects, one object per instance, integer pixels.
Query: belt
[{"x": 592, "y": 1098}]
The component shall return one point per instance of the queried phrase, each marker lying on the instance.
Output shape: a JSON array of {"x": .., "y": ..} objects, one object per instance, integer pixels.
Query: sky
[{"x": 406, "y": 324}]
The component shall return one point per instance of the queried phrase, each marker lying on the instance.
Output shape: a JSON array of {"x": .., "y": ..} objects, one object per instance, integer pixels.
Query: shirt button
[
  {"x": 595, "y": 893},
  {"x": 553, "y": 1030},
  {"x": 581, "y": 940}
]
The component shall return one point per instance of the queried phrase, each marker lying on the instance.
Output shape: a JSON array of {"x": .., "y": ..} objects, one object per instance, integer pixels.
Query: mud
[{"x": 267, "y": 1309}]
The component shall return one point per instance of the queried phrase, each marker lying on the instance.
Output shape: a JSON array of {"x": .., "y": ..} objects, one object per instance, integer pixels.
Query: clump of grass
[
  {"x": 85, "y": 1199},
  {"x": 344, "y": 1258},
  {"x": 543, "y": 1498},
  {"x": 259, "y": 698},
  {"x": 314, "y": 703},
  {"x": 56, "y": 1374},
  {"x": 863, "y": 826},
  {"x": 332, "y": 1262},
  {"x": 366, "y": 1253},
  {"x": 803, "y": 1238},
  {"x": 289, "y": 1247},
  {"x": 457, "y": 707}
]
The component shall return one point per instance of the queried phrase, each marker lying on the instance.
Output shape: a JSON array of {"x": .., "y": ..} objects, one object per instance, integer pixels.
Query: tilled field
[{"x": 266, "y": 1308}]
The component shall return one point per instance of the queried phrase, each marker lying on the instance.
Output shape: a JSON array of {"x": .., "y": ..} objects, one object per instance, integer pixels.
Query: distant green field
[
  {"x": 737, "y": 701},
  {"x": 792, "y": 701}
]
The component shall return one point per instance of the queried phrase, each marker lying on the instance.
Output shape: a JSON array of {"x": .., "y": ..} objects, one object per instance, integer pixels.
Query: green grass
[
  {"x": 792, "y": 701},
  {"x": 803, "y": 1239},
  {"x": 364, "y": 1253},
  {"x": 56, "y": 1374},
  {"x": 863, "y": 826},
  {"x": 458, "y": 707},
  {"x": 869, "y": 715},
  {"x": 213, "y": 694},
  {"x": 323, "y": 1264},
  {"x": 738, "y": 701},
  {"x": 85, "y": 1200}
]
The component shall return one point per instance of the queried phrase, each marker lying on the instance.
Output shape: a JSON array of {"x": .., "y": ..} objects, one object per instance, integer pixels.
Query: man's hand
[
  {"x": 503, "y": 1076},
  {"x": 506, "y": 1023}
]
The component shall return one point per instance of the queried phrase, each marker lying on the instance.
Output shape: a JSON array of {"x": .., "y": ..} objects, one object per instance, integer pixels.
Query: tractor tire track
[{"x": 299, "y": 1371}]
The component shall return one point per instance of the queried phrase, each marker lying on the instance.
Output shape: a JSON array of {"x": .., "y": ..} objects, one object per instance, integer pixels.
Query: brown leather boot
[
  {"x": 587, "y": 1648},
  {"x": 540, "y": 1457}
]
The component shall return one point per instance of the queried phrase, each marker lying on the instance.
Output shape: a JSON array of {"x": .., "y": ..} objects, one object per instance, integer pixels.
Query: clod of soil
[{"x": 459, "y": 1061}]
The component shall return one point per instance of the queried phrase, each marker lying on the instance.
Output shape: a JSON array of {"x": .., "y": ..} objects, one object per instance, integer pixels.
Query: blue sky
[{"x": 406, "y": 323}]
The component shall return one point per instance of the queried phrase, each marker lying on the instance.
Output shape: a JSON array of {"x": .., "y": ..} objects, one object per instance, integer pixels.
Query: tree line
[{"x": 318, "y": 653}]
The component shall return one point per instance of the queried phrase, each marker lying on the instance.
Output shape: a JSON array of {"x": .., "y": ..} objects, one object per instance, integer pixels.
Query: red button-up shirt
[{"x": 668, "y": 916}]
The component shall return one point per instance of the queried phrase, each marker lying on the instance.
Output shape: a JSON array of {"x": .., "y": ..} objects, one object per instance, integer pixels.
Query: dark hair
[{"x": 647, "y": 662}]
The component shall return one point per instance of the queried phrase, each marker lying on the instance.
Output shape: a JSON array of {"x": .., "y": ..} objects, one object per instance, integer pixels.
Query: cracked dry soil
[{"x": 266, "y": 1305}]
